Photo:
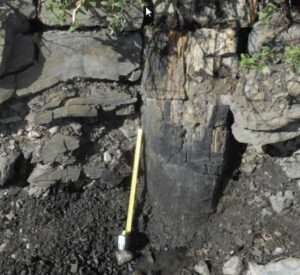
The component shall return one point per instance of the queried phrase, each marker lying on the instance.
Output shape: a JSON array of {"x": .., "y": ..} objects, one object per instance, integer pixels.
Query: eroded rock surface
[
  {"x": 66, "y": 55},
  {"x": 265, "y": 104}
]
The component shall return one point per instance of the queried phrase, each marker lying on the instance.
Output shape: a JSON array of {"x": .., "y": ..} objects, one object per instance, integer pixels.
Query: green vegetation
[
  {"x": 62, "y": 10},
  {"x": 257, "y": 61},
  {"x": 266, "y": 13},
  {"x": 267, "y": 56},
  {"x": 292, "y": 57}
]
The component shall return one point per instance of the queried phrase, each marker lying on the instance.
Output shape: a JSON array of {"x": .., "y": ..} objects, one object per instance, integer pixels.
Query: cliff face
[
  {"x": 203, "y": 79},
  {"x": 194, "y": 71}
]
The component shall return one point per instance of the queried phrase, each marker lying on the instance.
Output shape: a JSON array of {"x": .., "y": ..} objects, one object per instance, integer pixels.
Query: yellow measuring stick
[{"x": 134, "y": 179}]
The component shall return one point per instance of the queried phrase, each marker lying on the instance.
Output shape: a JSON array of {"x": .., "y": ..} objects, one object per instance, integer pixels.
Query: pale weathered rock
[
  {"x": 123, "y": 257},
  {"x": 282, "y": 201},
  {"x": 202, "y": 268},
  {"x": 264, "y": 32},
  {"x": 290, "y": 165},
  {"x": 57, "y": 105},
  {"x": 260, "y": 138},
  {"x": 95, "y": 167},
  {"x": 289, "y": 266},
  {"x": 44, "y": 176},
  {"x": 265, "y": 104},
  {"x": 55, "y": 149},
  {"x": 7, "y": 165},
  {"x": 233, "y": 266},
  {"x": 203, "y": 53},
  {"x": 66, "y": 55},
  {"x": 262, "y": 106},
  {"x": 207, "y": 47}
]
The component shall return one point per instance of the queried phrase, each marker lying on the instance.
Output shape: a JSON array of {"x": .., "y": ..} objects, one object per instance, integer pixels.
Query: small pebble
[
  {"x": 233, "y": 266},
  {"x": 278, "y": 251},
  {"x": 123, "y": 257},
  {"x": 202, "y": 268},
  {"x": 2, "y": 247},
  {"x": 107, "y": 157}
]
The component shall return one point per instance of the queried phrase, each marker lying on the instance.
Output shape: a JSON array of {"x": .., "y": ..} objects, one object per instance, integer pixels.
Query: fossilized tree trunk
[{"x": 186, "y": 128}]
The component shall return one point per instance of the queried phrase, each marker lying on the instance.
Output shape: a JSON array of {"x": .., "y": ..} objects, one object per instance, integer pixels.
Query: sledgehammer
[{"x": 123, "y": 254}]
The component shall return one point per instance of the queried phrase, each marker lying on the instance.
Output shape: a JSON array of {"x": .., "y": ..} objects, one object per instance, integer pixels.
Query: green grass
[
  {"x": 61, "y": 11},
  {"x": 266, "y": 13},
  {"x": 292, "y": 57},
  {"x": 257, "y": 61}
]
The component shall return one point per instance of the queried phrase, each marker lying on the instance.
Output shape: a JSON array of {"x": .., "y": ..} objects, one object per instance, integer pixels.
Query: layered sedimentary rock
[
  {"x": 266, "y": 102},
  {"x": 49, "y": 82}
]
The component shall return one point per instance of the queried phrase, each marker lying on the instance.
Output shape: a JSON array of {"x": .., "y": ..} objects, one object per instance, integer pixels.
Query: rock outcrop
[
  {"x": 265, "y": 104},
  {"x": 49, "y": 82}
]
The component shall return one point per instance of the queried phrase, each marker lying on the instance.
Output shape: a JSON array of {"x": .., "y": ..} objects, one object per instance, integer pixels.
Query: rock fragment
[
  {"x": 202, "y": 268},
  {"x": 55, "y": 149},
  {"x": 45, "y": 176},
  {"x": 94, "y": 168},
  {"x": 123, "y": 257},
  {"x": 290, "y": 165},
  {"x": 265, "y": 103},
  {"x": 288, "y": 266},
  {"x": 282, "y": 201},
  {"x": 233, "y": 266},
  {"x": 66, "y": 55},
  {"x": 7, "y": 165}
]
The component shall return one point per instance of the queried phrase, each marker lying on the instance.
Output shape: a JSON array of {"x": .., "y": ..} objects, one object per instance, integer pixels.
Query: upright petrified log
[{"x": 186, "y": 128}]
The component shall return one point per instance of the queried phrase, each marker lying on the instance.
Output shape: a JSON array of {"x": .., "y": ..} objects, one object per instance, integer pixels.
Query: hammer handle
[{"x": 134, "y": 179}]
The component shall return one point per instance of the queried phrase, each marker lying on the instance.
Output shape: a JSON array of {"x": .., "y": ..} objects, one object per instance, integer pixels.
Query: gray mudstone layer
[
  {"x": 58, "y": 104},
  {"x": 186, "y": 128},
  {"x": 57, "y": 146},
  {"x": 65, "y": 55}
]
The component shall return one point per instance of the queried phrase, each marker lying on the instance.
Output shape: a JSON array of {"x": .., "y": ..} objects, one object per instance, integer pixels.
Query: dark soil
[
  {"x": 74, "y": 231},
  {"x": 66, "y": 232}
]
